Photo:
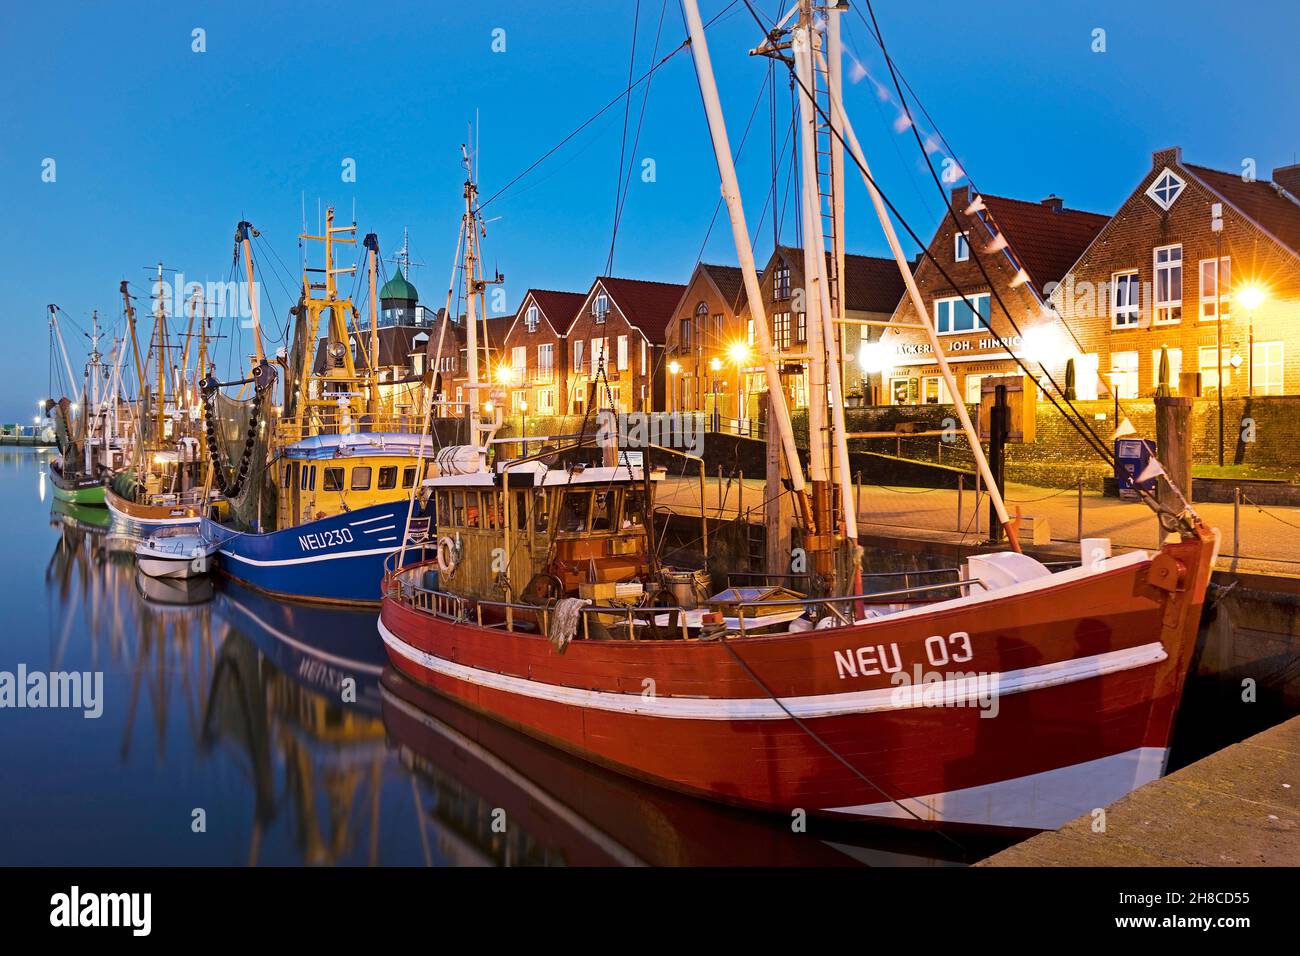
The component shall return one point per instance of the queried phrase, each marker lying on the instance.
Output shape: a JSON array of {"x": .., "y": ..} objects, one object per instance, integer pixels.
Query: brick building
[
  {"x": 1148, "y": 283},
  {"x": 703, "y": 330},
  {"x": 626, "y": 321},
  {"x": 534, "y": 350},
  {"x": 872, "y": 288},
  {"x": 1026, "y": 248}
]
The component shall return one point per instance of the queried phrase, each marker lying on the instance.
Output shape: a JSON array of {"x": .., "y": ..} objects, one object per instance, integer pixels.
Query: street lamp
[
  {"x": 1252, "y": 297},
  {"x": 715, "y": 365},
  {"x": 674, "y": 367},
  {"x": 523, "y": 425}
]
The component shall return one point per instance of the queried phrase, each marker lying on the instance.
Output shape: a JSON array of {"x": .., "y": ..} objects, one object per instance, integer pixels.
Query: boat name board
[
  {"x": 320, "y": 540},
  {"x": 873, "y": 659}
]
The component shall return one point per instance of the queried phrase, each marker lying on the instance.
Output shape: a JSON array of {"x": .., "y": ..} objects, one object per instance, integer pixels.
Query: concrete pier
[{"x": 1237, "y": 807}]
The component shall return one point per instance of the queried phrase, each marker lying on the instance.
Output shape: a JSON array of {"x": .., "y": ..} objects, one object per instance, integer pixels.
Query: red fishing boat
[{"x": 1008, "y": 696}]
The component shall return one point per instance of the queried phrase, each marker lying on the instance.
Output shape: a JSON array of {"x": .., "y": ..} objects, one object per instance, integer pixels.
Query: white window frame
[
  {"x": 961, "y": 246},
  {"x": 531, "y": 318},
  {"x": 600, "y": 307},
  {"x": 979, "y": 326},
  {"x": 1125, "y": 382},
  {"x": 577, "y": 355},
  {"x": 645, "y": 362},
  {"x": 1087, "y": 376},
  {"x": 519, "y": 362},
  {"x": 1133, "y": 308},
  {"x": 1222, "y": 275},
  {"x": 546, "y": 359},
  {"x": 1158, "y": 305},
  {"x": 1167, "y": 181},
  {"x": 546, "y": 401},
  {"x": 1210, "y": 371},
  {"x": 622, "y": 353},
  {"x": 1260, "y": 385}
]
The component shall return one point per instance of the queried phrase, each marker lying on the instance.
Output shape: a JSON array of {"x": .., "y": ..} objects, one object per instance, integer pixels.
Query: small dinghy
[{"x": 181, "y": 553}]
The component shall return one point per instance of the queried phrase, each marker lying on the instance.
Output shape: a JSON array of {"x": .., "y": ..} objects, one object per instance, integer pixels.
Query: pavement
[
  {"x": 1266, "y": 540},
  {"x": 1237, "y": 807}
]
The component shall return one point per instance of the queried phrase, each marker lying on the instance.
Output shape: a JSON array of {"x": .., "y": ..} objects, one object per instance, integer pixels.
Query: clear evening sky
[{"x": 160, "y": 150}]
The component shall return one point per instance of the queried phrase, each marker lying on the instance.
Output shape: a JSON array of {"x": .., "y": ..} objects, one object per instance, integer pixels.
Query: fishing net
[{"x": 237, "y": 434}]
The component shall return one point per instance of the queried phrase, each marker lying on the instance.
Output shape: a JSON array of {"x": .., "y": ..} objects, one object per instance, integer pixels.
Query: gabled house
[
  {"x": 534, "y": 350},
  {"x": 623, "y": 322},
  {"x": 703, "y": 331},
  {"x": 872, "y": 288},
  {"x": 1026, "y": 248},
  {"x": 1201, "y": 265}
]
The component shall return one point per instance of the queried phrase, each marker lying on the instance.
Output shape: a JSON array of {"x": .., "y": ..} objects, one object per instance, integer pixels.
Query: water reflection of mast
[{"x": 332, "y": 754}]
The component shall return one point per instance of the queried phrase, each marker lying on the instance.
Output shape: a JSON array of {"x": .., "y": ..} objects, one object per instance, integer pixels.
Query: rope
[{"x": 832, "y": 751}]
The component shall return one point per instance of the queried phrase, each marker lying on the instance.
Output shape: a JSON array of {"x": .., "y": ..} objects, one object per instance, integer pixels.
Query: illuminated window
[
  {"x": 1124, "y": 374},
  {"x": 1266, "y": 373},
  {"x": 1208, "y": 363},
  {"x": 1175, "y": 368},
  {"x": 1212, "y": 282}
]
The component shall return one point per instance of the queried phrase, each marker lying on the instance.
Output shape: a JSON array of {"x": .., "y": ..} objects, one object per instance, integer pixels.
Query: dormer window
[
  {"x": 600, "y": 308},
  {"x": 530, "y": 318},
  {"x": 1166, "y": 188},
  {"x": 960, "y": 247}
]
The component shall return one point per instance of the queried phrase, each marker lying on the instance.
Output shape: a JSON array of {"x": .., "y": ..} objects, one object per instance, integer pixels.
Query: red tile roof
[
  {"x": 1257, "y": 200},
  {"x": 647, "y": 305},
  {"x": 558, "y": 307},
  {"x": 1045, "y": 240}
]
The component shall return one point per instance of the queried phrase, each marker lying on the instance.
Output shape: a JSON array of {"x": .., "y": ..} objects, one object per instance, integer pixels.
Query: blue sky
[{"x": 161, "y": 150}]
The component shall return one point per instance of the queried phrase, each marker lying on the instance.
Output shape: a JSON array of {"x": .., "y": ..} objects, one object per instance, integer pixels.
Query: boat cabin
[
  {"x": 550, "y": 531},
  {"x": 326, "y": 475}
]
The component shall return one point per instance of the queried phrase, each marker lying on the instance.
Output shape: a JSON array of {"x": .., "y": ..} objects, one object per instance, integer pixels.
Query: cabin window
[
  {"x": 539, "y": 511},
  {"x": 361, "y": 478},
  {"x": 491, "y": 517},
  {"x": 521, "y": 509},
  {"x": 444, "y": 509},
  {"x": 458, "y": 508},
  {"x": 387, "y": 477},
  {"x": 471, "y": 509},
  {"x": 633, "y": 508},
  {"x": 408, "y": 477},
  {"x": 604, "y": 512},
  {"x": 333, "y": 479},
  {"x": 574, "y": 511},
  {"x": 311, "y": 479},
  {"x": 302, "y": 477}
]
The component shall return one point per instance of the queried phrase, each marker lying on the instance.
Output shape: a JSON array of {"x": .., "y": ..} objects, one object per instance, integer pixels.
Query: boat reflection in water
[{"x": 308, "y": 748}]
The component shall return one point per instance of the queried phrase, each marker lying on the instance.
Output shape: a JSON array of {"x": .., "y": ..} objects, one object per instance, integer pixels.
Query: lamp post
[
  {"x": 674, "y": 367},
  {"x": 523, "y": 425}
]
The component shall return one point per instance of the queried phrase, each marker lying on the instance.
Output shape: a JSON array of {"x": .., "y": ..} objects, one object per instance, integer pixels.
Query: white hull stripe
[
  {"x": 1039, "y": 801},
  {"x": 353, "y": 524},
  {"x": 307, "y": 558},
  {"x": 383, "y": 527},
  {"x": 764, "y": 708}
]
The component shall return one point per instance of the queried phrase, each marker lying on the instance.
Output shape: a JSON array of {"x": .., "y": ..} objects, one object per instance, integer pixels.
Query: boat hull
[
  {"x": 147, "y": 518},
  {"x": 1081, "y": 675},
  {"x": 81, "y": 491},
  {"x": 337, "y": 560}
]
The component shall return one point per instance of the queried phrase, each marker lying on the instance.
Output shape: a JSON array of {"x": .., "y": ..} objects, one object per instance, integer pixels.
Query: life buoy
[{"x": 448, "y": 554}]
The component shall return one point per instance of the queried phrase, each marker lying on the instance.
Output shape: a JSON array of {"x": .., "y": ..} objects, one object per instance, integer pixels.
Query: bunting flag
[
  {"x": 1153, "y": 470},
  {"x": 1123, "y": 429}
]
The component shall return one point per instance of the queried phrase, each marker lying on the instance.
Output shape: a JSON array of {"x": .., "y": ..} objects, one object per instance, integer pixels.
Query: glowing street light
[
  {"x": 715, "y": 363},
  {"x": 674, "y": 366},
  {"x": 1252, "y": 297}
]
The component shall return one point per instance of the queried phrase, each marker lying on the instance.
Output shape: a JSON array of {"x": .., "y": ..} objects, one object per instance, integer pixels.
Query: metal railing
[{"x": 332, "y": 423}]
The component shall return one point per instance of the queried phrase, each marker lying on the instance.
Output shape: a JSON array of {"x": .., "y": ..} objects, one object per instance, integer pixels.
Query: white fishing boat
[{"x": 183, "y": 553}]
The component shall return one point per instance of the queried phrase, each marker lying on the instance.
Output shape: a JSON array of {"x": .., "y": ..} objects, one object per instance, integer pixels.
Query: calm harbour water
[{"x": 232, "y": 706}]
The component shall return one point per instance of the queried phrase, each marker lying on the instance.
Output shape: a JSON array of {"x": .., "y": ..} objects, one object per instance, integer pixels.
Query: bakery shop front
[{"x": 911, "y": 373}]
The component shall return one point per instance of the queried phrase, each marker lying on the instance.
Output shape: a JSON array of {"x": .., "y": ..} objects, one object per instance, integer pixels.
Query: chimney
[
  {"x": 1173, "y": 156},
  {"x": 960, "y": 197},
  {"x": 1053, "y": 202},
  {"x": 1288, "y": 177}
]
